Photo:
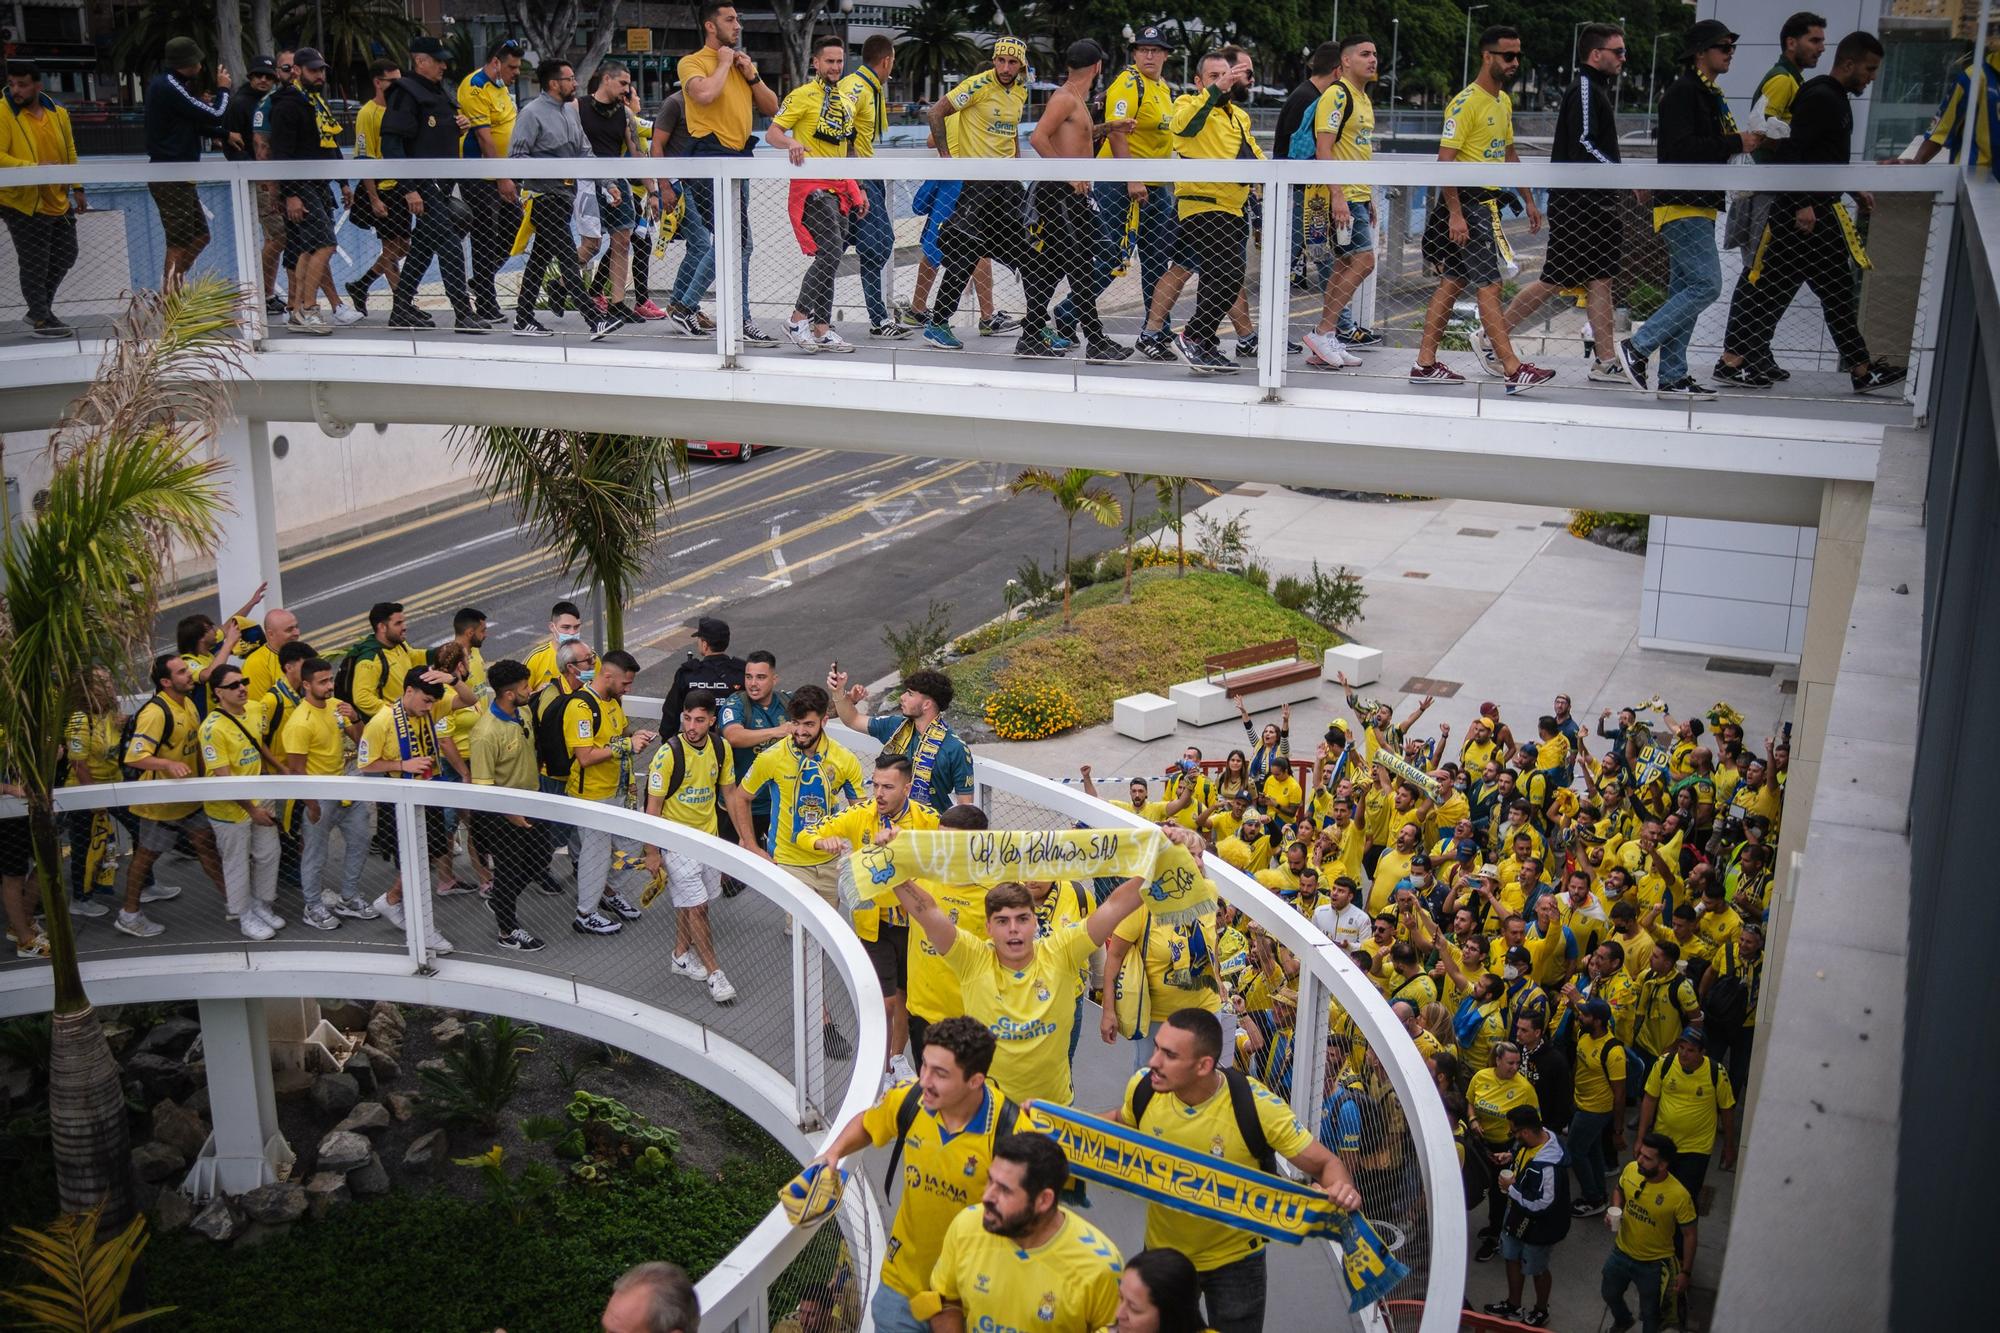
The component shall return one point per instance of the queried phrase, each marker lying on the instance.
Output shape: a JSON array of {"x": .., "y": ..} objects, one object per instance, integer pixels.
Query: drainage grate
[
  {"x": 1414, "y": 574},
  {"x": 1555, "y": 523},
  {"x": 1439, "y": 689},
  {"x": 1479, "y": 532},
  {"x": 1736, "y": 666}
]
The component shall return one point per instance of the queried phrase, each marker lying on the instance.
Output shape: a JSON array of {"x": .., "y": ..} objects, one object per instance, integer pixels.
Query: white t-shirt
[{"x": 1347, "y": 927}]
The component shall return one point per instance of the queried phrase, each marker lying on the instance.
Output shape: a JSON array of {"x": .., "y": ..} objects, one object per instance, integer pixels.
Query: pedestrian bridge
[{"x": 1761, "y": 455}]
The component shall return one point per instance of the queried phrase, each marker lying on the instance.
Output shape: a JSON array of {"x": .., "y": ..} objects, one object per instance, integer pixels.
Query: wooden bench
[{"x": 1246, "y": 672}]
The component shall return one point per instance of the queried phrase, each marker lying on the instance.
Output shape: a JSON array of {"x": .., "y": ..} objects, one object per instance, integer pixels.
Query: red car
[{"x": 724, "y": 449}]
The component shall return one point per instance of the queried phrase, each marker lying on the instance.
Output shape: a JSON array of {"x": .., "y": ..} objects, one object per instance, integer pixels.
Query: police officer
[{"x": 422, "y": 121}]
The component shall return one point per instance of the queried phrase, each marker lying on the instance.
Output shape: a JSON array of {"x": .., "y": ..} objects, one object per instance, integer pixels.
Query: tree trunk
[
  {"x": 1131, "y": 520},
  {"x": 260, "y": 29},
  {"x": 229, "y": 39},
  {"x": 1180, "y": 534},
  {"x": 796, "y": 32},
  {"x": 1069, "y": 534},
  {"x": 613, "y": 599},
  {"x": 600, "y": 41}
]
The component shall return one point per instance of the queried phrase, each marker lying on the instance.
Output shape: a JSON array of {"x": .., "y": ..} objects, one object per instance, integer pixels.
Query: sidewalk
[{"x": 1485, "y": 601}]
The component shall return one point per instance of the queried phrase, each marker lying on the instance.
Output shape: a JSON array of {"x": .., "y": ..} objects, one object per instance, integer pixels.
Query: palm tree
[
  {"x": 352, "y": 29},
  {"x": 598, "y": 500},
  {"x": 132, "y": 482},
  {"x": 1133, "y": 481},
  {"x": 934, "y": 45},
  {"x": 144, "y": 31},
  {"x": 1073, "y": 494},
  {"x": 1172, "y": 492}
]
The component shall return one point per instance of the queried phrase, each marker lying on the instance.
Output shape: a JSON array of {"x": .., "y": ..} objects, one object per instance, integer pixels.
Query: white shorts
[
  {"x": 584, "y": 215},
  {"x": 689, "y": 882}
]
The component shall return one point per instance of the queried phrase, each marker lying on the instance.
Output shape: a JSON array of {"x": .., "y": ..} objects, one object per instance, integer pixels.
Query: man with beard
[
  {"x": 548, "y": 127},
  {"x": 422, "y": 120},
  {"x": 987, "y": 222}
]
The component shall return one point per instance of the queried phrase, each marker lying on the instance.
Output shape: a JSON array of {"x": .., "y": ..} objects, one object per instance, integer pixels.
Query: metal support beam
[
  {"x": 247, "y": 554},
  {"x": 239, "y": 1155}
]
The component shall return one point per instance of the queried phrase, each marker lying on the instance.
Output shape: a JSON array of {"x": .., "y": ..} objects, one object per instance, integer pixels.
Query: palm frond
[
  {"x": 88, "y": 1276},
  {"x": 171, "y": 367}
]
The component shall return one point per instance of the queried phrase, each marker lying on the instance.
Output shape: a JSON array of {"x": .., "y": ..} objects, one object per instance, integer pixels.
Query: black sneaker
[
  {"x": 520, "y": 941},
  {"x": 1632, "y": 363},
  {"x": 1589, "y": 1207},
  {"x": 1246, "y": 347},
  {"x": 1772, "y": 371},
  {"x": 472, "y": 326},
  {"x": 1157, "y": 345},
  {"x": 1488, "y": 1247},
  {"x": 756, "y": 337},
  {"x": 1106, "y": 353},
  {"x": 601, "y": 326},
  {"x": 52, "y": 328},
  {"x": 1504, "y": 1309},
  {"x": 1361, "y": 340},
  {"x": 1035, "y": 344},
  {"x": 1204, "y": 360},
  {"x": 1000, "y": 322},
  {"x": 357, "y": 292},
  {"x": 527, "y": 326},
  {"x": 1879, "y": 376},
  {"x": 1537, "y": 1317},
  {"x": 1743, "y": 375},
  {"x": 1687, "y": 386},
  {"x": 411, "y": 319},
  {"x": 836, "y": 1046},
  {"x": 547, "y": 884}
]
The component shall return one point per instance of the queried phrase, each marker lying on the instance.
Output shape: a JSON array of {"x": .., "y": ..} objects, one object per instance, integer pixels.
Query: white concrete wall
[
  {"x": 1737, "y": 589},
  {"x": 1756, "y": 23}
]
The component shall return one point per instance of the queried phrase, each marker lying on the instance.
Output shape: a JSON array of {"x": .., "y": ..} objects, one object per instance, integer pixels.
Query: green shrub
[
  {"x": 1644, "y": 300},
  {"x": 482, "y": 1072},
  {"x": 1335, "y": 599},
  {"x": 1583, "y": 522},
  {"x": 1256, "y": 576},
  {"x": 519, "y": 1197},
  {"x": 1032, "y": 583},
  {"x": 1224, "y": 542},
  {"x": 912, "y": 643},
  {"x": 989, "y": 635},
  {"x": 1084, "y": 571},
  {"x": 1291, "y": 593}
]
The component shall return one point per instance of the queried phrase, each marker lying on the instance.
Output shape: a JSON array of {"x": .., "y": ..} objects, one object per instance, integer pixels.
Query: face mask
[
  {"x": 587, "y": 675},
  {"x": 1511, "y": 973},
  {"x": 1420, "y": 880}
]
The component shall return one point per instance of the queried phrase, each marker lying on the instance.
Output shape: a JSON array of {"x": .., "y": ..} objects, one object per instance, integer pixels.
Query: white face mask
[{"x": 1510, "y": 972}]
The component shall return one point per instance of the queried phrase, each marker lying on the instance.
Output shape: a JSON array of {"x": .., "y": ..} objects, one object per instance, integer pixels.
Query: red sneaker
[
  {"x": 1528, "y": 377},
  {"x": 1437, "y": 372},
  {"x": 647, "y": 310}
]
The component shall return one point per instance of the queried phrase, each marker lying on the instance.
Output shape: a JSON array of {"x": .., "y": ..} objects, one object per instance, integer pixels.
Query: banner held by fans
[
  {"x": 1176, "y": 890},
  {"x": 1403, "y": 769}
]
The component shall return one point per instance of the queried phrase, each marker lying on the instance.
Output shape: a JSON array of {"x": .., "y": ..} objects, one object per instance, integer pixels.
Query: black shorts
[
  {"x": 314, "y": 231},
  {"x": 393, "y": 224},
  {"x": 437, "y": 839},
  {"x": 1186, "y": 252},
  {"x": 1477, "y": 262},
  {"x": 181, "y": 217},
  {"x": 17, "y": 854},
  {"x": 889, "y": 951},
  {"x": 1586, "y": 240}
]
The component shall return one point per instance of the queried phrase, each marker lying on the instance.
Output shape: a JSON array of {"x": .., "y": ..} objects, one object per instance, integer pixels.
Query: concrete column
[
  {"x": 247, "y": 554},
  {"x": 242, "y": 1106}
]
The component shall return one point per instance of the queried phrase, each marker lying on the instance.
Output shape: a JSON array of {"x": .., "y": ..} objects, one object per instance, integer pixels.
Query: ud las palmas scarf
[
  {"x": 1176, "y": 890},
  {"x": 1219, "y": 1191},
  {"x": 1406, "y": 771}
]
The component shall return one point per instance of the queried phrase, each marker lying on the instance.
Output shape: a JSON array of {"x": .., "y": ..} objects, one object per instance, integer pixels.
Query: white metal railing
[{"x": 798, "y": 1103}]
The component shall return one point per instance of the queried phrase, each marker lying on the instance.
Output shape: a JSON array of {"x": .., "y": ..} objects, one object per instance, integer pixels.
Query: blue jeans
[
  {"x": 1694, "y": 282},
  {"x": 1622, "y": 1270},
  {"x": 1155, "y": 243},
  {"x": 1586, "y": 1153},
  {"x": 891, "y": 1308},
  {"x": 874, "y": 239},
  {"x": 698, "y": 263},
  {"x": 1232, "y": 1296},
  {"x": 701, "y": 199}
]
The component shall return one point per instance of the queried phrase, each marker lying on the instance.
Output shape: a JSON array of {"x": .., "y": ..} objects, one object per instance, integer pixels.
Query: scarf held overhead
[{"x": 1176, "y": 890}]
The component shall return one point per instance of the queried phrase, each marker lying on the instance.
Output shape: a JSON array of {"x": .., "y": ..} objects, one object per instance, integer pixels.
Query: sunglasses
[
  {"x": 234, "y": 685},
  {"x": 1723, "y": 46},
  {"x": 1618, "y": 51}
]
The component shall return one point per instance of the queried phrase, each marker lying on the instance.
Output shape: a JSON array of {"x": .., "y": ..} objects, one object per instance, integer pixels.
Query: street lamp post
[
  {"x": 1653, "y": 107},
  {"x": 1395, "y": 46},
  {"x": 1465, "y": 58},
  {"x": 1618, "y": 85}
]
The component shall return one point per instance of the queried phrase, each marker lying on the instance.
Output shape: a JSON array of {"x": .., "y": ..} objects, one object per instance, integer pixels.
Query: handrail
[
  {"x": 736, "y": 1288},
  {"x": 1324, "y": 972}
]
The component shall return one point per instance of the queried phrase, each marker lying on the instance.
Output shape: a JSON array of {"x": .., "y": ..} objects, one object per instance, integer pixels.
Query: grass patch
[{"x": 1157, "y": 640}]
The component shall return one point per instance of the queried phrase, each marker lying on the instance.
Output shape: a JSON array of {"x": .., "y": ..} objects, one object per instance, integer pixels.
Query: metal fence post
[
  {"x": 413, "y": 872},
  {"x": 1274, "y": 285},
  {"x": 732, "y": 303},
  {"x": 804, "y": 1052},
  {"x": 247, "y": 235}
]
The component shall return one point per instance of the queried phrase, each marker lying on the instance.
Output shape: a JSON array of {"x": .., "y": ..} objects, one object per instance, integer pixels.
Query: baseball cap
[
  {"x": 308, "y": 58},
  {"x": 1520, "y": 957},
  {"x": 1153, "y": 35},
  {"x": 1083, "y": 52},
  {"x": 428, "y": 46},
  {"x": 1596, "y": 1008},
  {"x": 1706, "y": 34},
  {"x": 263, "y": 65},
  {"x": 1695, "y": 1035}
]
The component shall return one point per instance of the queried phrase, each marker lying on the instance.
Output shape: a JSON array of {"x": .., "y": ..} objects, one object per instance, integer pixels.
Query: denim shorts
[
  {"x": 621, "y": 215},
  {"x": 1363, "y": 238},
  {"x": 1533, "y": 1259}
]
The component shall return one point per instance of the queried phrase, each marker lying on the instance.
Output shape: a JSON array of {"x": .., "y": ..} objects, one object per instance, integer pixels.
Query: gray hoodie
[{"x": 548, "y": 128}]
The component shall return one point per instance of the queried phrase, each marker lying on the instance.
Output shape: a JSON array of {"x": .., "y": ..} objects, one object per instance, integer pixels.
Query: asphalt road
[{"x": 808, "y": 552}]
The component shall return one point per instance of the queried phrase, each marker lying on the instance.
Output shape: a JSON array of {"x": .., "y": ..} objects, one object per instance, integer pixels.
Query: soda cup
[{"x": 1344, "y": 233}]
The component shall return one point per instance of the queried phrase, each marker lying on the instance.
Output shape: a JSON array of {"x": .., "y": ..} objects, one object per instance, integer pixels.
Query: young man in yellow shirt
[
  {"x": 604, "y": 767},
  {"x": 1650, "y": 1210},
  {"x": 1689, "y": 1099},
  {"x": 320, "y": 735},
  {"x": 933, "y": 991},
  {"x": 1185, "y": 1097},
  {"x": 873, "y": 233},
  {"x": 944, "y": 1126},
  {"x": 41, "y": 219},
  {"x": 1139, "y": 799},
  {"x": 1490, "y": 1095},
  {"x": 565, "y": 626},
  {"x": 378, "y": 676},
  {"x": 1021, "y": 1260},
  {"x": 987, "y": 222},
  {"x": 722, "y": 90},
  {"x": 810, "y": 776},
  {"x": 166, "y": 743},
  {"x": 401, "y": 743},
  {"x": 502, "y": 754},
  {"x": 245, "y": 831},
  {"x": 688, "y": 782},
  {"x": 486, "y": 98},
  {"x": 1344, "y": 131}
]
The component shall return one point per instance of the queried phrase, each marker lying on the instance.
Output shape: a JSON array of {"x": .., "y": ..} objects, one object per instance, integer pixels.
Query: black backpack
[
  {"x": 357, "y": 652},
  {"x": 1242, "y": 1103},
  {"x": 677, "y": 772},
  {"x": 906, "y": 1116},
  {"x": 550, "y": 747},
  {"x": 1728, "y": 1002},
  {"x": 125, "y": 734}
]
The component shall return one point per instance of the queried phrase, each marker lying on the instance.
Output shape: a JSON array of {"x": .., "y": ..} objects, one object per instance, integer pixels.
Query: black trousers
[
  {"x": 1792, "y": 258},
  {"x": 827, "y": 225},
  {"x": 988, "y": 223},
  {"x": 434, "y": 236},
  {"x": 519, "y": 856},
  {"x": 1069, "y": 254},
  {"x": 45, "y": 249},
  {"x": 552, "y": 243},
  {"x": 1219, "y": 239},
  {"x": 494, "y": 222}
]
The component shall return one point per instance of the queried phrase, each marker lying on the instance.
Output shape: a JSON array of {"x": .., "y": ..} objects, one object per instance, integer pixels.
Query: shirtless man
[{"x": 1068, "y": 214}]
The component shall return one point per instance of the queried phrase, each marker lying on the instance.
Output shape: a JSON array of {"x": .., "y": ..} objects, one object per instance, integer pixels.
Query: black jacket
[
  {"x": 721, "y": 675},
  {"x": 239, "y": 119},
  {"x": 302, "y": 129},
  {"x": 1822, "y": 135},
  {"x": 177, "y": 120},
  {"x": 1691, "y": 131},
  {"x": 421, "y": 119},
  {"x": 1586, "y": 126}
]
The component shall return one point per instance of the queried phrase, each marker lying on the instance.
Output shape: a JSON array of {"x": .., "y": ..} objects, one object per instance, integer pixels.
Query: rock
[
  {"x": 325, "y": 1191},
  {"x": 384, "y": 1064},
  {"x": 386, "y": 1035},
  {"x": 218, "y": 1221},
  {"x": 288, "y": 1083},
  {"x": 447, "y": 1032},
  {"x": 371, "y": 1177},
  {"x": 362, "y": 1070},
  {"x": 277, "y": 1204},
  {"x": 401, "y": 1104},
  {"x": 172, "y": 1211},
  {"x": 118, "y": 1036},
  {"x": 16, "y": 1080},
  {"x": 180, "y": 1129},
  {"x": 342, "y": 1150},
  {"x": 366, "y": 1118},
  {"x": 435, "y": 1062},
  {"x": 145, "y": 1194},
  {"x": 335, "y": 1094},
  {"x": 156, "y": 1161},
  {"x": 347, "y": 1015},
  {"x": 170, "y": 1037},
  {"x": 158, "y": 1075},
  {"x": 388, "y": 1013},
  {"x": 426, "y": 1152},
  {"x": 197, "y": 1101}
]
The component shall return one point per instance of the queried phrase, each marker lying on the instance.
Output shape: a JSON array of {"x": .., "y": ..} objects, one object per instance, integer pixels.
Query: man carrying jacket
[
  {"x": 178, "y": 119},
  {"x": 303, "y": 128},
  {"x": 35, "y": 132},
  {"x": 422, "y": 121},
  {"x": 1695, "y": 128},
  {"x": 1810, "y": 239},
  {"x": 1537, "y": 1217}
]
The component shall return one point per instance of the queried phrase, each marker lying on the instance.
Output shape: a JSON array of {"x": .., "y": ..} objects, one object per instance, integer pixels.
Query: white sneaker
[
  {"x": 833, "y": 342},
  {"x": 1606, "y": 372},
  {"x": 436, "y": 942},
  {"x": 1327, "y": 349},
  {"x": 393, "y": 912},
  {"x": 687, "y": 965},
  {"x": 1489, "y": 360},
  {"x": 159, "y": 893},
  {"x": 900, "y": 1070},
  {"x": 271, "y": 918},
  {"x": 138, "y": 925},
  {"x": 801, "y": 334},
  {"x": 719, "y": 988},
  {"x": 346, "y": 315},
  {"x": 87, "y": 907},
  {"x": 309, "y": 322},
  {"x": 319, "y": 918},
  {"x": 253, "y": 926}
]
